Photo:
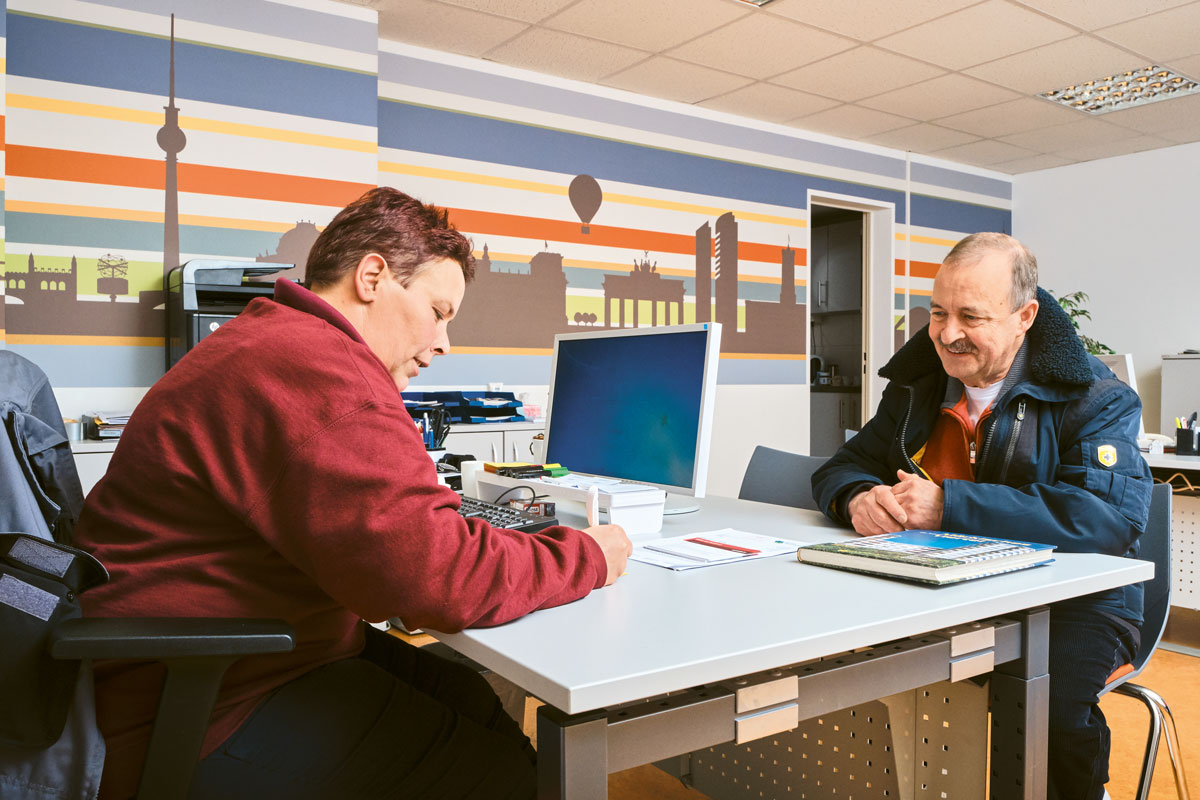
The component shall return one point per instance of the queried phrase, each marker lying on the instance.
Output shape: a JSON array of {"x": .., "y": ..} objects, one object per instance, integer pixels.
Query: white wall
[
  {"x": 1126, "y": 231},
  {"x": 747, "y": 416}
]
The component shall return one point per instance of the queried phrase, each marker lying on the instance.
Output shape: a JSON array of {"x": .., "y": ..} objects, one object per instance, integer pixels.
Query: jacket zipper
[
  {"x": 1012, "y": 440},
  {"x": 904, "y": 433}
]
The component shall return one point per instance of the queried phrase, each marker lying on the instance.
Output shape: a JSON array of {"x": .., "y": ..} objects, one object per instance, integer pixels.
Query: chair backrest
[
  {"x": 779, "y": 477},
  {"x": 1155, "y": 545}
]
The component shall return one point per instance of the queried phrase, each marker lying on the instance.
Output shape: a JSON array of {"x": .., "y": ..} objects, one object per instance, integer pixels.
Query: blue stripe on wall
[
  {"x": 472, "y": 369},
  {"x": 448, "y": 133},
  {"x": 965, "y": 218},
  {"x": 117, "y": 235},
  {"x": 587, "y": 105},
  {"x": 61, "y": 51},
  {"x": 953, "y": 179},
  {"x": 326, "y": 28},
  {"x": 95, "y": 365}
]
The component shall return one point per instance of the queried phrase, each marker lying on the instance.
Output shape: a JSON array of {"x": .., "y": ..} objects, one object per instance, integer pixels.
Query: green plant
[{"x": 1073, "y": 304}]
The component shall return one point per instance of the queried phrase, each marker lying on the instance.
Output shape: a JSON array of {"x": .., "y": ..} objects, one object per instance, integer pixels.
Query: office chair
[
  {"x": 779, "y": 477},
  {"x": 1155, "y": 547},
  {"x": 40, "y": 626}
]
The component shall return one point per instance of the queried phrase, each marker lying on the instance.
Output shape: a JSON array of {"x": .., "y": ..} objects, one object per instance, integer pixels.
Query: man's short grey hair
[{"x": 1024, "y": 266}]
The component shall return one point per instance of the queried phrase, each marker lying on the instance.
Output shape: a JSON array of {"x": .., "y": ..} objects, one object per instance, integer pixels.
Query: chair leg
[{"x": 1161, "y": 721}]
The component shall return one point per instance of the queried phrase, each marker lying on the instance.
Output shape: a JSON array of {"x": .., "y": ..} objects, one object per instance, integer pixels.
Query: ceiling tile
[
  {"x": 1074, "y": 134},
  {"x": 852, "y": 122},
  {"x": 984, "y": 153},
  {"x": 1091, "y": 152},
  {"x": 1032, "y": 164},
  {"x": 1160, "y": 37},
  {"x": 977, "y": 34},
  {"x": 1092, "y": 14},
  {"x": 654, "y": 26},
  {"x": 675, "y": 80},
  {"x": 443, "y": 27},
  {"x": 858, "y": 73},
  {"x": 760, "y": 46},
  {"x": 524, "y": 10},
  {"x": 772, "y": 103},
  {"x": 1185, "y": 66},
  {"x": 922, "y": 138},
  {"x": 1015, "y": 116},
  {"x": 1161, "y": 116},
  {"x": 940, "y": 97},
  {"x": 1053, "y": 66},
  {"x": 1188, "y": 133},
  {"x": 565, "y": 54},
  {"x": 865, "y": 20}
]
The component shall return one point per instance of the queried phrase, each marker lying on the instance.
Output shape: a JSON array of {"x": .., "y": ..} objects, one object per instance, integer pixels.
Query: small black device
[{"x": 500, "y": 516}]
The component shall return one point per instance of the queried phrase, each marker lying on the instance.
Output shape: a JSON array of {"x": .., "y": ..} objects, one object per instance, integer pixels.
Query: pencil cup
[{"x": 1187, "y": 441}]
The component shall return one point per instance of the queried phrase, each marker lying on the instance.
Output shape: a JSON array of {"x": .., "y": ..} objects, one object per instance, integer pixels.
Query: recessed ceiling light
[
  {"x": 754, "y": 2},
  {"x": 1123, "y": 90}
]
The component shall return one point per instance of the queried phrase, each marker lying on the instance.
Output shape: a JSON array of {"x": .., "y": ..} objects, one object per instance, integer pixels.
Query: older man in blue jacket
[{"x": 996, "y": 421}]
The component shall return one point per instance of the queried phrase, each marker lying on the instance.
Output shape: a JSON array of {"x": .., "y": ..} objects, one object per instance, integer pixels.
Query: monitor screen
[{"x": 635, "y": 404}]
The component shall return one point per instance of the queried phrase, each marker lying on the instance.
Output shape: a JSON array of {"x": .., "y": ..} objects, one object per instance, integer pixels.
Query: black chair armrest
[
  {"x": 196, "y": 652},
  {"x": 161, "y": 638}
]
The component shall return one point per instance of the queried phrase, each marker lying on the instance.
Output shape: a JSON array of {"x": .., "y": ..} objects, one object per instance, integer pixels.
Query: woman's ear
[{"x": 371, "y": 270}]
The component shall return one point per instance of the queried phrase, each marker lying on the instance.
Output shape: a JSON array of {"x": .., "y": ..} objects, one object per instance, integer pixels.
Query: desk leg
[
  {"x": 572, "y": 755},
  {"x": 1021, "y": 715}
]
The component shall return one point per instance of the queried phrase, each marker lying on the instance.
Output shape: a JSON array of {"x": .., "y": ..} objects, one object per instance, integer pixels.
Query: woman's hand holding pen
[{"x": 616, "y": 548}]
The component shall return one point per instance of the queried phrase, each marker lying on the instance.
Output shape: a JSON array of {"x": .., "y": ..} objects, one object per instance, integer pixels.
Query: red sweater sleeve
[{"x": 358, "y": 508}]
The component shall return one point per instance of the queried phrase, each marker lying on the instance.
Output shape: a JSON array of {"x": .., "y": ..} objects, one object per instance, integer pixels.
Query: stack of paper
[
  {"x": 724, "y": 546},
  {"x": 105, "y": 424}
]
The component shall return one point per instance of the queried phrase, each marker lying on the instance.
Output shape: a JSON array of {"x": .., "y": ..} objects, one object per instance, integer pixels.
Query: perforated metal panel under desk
[
  {"x": 927, "y": 743},
  {"x": 1185, "y": 551}
]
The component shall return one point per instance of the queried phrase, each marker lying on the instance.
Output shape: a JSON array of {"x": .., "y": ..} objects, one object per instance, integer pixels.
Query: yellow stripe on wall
[
  {"x": 78, "y": 109},
  {"x": 69, "y": 339},
  {"x": 766, "y": 356},
  {"x": 580, "y": 263},
  {"x": 557, "y": 189}
]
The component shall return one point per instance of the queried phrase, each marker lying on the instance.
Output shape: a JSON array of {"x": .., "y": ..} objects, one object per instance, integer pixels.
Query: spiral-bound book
[{"x": 936, "y": 557}]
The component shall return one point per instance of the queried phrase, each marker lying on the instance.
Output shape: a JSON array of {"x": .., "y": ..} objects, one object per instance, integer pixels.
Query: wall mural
[{"x": 586, "y": 211}]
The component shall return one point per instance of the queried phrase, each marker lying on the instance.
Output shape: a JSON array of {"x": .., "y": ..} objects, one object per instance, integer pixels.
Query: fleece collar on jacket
[{"x": 1055, "y": 354}]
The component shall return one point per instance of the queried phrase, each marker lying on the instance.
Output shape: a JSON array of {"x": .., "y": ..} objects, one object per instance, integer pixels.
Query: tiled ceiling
[{"x": 955, "y": 79}]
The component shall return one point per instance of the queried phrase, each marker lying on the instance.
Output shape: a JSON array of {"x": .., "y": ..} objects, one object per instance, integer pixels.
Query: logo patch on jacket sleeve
[{"x": 1106, "y": 454}]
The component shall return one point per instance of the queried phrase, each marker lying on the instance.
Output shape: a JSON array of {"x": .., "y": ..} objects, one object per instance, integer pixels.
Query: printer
[{"x": 203, "y": 294}]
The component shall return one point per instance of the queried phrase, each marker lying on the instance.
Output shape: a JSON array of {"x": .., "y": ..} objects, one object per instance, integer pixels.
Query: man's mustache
[{"x": 958, "y": 348}]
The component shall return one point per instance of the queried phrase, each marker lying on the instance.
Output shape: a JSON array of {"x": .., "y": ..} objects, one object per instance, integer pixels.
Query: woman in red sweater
[{"x": 274, "y": 472}]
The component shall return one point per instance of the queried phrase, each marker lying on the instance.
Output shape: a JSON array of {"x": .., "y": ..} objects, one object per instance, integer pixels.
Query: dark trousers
[
  {"x": 393, "y": 723},
  {"x": 1085, "y": 648}
]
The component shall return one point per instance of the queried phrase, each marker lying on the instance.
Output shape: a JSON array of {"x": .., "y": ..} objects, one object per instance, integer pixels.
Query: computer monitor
[{"x": 635, "y": 404}]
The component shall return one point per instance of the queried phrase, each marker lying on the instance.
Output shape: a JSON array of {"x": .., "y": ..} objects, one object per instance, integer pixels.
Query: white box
[{"x": 637, "y": 512}]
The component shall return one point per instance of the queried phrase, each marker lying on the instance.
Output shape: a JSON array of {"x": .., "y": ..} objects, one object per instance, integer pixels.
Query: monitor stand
[{"x": 679, "y": 504}]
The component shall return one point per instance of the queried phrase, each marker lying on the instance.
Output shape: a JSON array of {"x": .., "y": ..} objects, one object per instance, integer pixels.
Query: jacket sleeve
[
  {"x": 358, "y": 508},
  {"x": 1091, "y": 506},
  {"x": 862, "y": 461}
]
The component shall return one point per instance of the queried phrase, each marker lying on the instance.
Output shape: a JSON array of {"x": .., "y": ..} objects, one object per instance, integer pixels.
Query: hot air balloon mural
[{"x": 586, "y": 197}]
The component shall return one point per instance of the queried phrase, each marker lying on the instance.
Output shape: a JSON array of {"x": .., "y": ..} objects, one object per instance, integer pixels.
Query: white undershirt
[{"x": 978, "y": 400}]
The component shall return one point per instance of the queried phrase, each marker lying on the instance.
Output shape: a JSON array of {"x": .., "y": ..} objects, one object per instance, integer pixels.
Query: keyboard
[{"x": 499, "y": 516}]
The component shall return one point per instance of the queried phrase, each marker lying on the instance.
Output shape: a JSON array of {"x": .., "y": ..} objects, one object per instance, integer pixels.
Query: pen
[
  {"x": 723, "y": 546},
  {"x": 593, "y": 506}
]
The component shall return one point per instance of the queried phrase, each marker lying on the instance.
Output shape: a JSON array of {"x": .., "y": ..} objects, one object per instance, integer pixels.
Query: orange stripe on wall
[
  {"x": 485, "y": 222},
  {"x": 145, "y": 173},
  {"x": 918, "y": 269}
]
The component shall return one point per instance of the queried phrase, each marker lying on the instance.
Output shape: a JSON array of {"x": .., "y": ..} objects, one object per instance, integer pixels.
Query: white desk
[{"x": 657, "y": 631}]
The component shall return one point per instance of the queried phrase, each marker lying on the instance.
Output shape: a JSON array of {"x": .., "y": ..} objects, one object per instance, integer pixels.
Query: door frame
[{"x": 878, "y": 265}]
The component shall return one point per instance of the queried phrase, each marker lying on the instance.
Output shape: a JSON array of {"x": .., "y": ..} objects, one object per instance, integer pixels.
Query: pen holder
[{"x": 1187, "y": 441}]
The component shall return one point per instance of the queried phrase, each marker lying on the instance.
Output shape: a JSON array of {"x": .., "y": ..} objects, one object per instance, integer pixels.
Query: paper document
[{"x": 705, "y": 549}]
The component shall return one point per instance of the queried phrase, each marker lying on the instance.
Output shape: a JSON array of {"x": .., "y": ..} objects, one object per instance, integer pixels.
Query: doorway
[
  {"x": 850, "y": 308},
  {"x": 835, "y": 304}
]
